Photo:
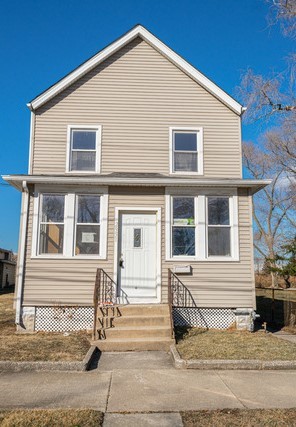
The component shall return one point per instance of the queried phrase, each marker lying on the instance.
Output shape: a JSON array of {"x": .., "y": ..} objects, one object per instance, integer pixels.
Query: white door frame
[{"x": 135, "y": 209}]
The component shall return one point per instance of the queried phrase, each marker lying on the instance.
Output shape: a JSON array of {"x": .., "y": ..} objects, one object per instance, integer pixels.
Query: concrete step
[
  {"x": 134, "y": 344},
  {"x": 141, "y": 321},
  {"x": 137, "y": 332},
  {"x": 144, "y": 310}
]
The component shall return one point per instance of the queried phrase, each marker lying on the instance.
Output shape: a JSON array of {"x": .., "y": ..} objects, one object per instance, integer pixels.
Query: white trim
[
  {"x": 31, "y": 141},
  {"x": 234, "y": 228},
  {"x": 21, "y": 252},
  {"x": 118, "y": 212},
  {"x": 98, "y": 149},
  {"x": 199, "y": 140},
  {"x": 138, "y": 31},
  {"x": 69, "y": 222},
  {"x": 200, "y": 196}
]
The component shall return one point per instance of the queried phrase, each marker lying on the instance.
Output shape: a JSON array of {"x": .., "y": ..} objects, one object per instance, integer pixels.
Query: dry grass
[
  {"x": 51, "y": 418},
  {"x": 198, "y": 343},
  {"x": 41, "y": 346},
  {"x": 240, "y": 418}
]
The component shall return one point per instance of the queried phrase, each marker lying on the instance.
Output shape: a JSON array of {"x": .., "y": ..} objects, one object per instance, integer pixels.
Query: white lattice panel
[
  {"x": 212, "y": 318},
  {"x": 63, "y": 319}
]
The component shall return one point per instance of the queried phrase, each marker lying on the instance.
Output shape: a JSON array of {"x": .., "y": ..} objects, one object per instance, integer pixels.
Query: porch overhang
[{"x": 125, "y": 179}]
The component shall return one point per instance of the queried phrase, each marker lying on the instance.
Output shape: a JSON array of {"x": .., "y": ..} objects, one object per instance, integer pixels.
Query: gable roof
[{"x": 137, "y": 31}]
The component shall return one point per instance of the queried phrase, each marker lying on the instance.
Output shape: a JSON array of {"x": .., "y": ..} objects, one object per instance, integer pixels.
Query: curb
[
  {"x": 230, "y": 364},
  {"x": 50, "y": 366}
]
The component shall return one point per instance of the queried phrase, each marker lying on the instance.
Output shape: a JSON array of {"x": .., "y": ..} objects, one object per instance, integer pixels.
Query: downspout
[{"x": 22, "y": 251}]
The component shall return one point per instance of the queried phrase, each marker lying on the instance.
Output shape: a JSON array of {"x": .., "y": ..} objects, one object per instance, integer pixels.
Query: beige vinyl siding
[
  {"x": 219, "y": 284},
  {"x": 136, "y": 95}
]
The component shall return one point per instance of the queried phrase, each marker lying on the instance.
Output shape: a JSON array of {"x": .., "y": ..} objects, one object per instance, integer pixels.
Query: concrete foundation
[
  {"x": 27, "y": 324},
  {"x": 244, "y": 319}
]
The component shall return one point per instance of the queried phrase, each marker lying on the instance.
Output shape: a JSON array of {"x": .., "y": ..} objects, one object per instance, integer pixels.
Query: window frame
[
  {"x": 47, "y": 193},
  {"x": 201, "y": 223},
  {"x": 179, "y": 257},
  {"x": 84, "y": 223},
  {"x": 98, "y": 129},
  {"x": 230, "y": 226},
  {"x": 199, "y": 140},
  {"x": 69, "y": 222}
]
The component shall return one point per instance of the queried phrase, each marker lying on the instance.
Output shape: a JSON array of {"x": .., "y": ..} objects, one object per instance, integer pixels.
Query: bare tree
[
  {"x": 264, "y": 96},
  {"x": 271, "y": 206},
  {"x": 284, "y": 12},
  {"x": 281, "y": 143}
]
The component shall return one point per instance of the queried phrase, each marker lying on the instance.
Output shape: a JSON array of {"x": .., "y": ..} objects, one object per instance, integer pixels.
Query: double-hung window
[
  {"x": 183, "y": 226},
  {"x": 219, "y": 227},
  {"x": 202, "y": 227},
  {"x": 51, "y": 224},
  {"x": 84, "y": 148},
  {"x": 70, "y": 225},
  {"x": 87, "y": 225},
  {"x": 186, "y": 151}
]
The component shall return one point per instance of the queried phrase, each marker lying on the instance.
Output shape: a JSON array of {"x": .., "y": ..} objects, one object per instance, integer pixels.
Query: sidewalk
[{"x": 142, "y": 382}]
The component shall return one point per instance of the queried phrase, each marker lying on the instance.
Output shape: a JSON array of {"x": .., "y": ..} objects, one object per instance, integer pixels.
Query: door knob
[{"x": 121, "y": 262}]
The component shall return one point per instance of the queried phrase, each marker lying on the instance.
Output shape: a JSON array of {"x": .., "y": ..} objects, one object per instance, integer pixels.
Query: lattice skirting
[
  {"x": 213, "y": 318},
  {"x": 63, "y": 319}
]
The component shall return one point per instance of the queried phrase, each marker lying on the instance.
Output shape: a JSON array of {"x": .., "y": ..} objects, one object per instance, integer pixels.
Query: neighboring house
[
  {"x": 7, "y": 268},
  {"x": 135, "y": 168}
]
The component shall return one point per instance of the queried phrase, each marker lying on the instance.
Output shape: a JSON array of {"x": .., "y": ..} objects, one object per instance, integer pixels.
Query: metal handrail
[
  {"x": 105, "y": 295},
  {"x": 180, "y": 296}
]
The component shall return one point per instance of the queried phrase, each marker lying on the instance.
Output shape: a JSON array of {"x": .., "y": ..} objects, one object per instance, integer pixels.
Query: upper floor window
[
  {"x": 186, "y": 151},
  {"x": 84, "y": 145}
]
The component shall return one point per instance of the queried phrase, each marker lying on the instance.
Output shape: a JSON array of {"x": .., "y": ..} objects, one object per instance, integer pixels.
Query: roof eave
[{"x": 255, "y": 185}]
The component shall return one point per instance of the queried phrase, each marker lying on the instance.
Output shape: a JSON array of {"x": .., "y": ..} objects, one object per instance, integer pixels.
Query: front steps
[{"x": 134, "y": 328}]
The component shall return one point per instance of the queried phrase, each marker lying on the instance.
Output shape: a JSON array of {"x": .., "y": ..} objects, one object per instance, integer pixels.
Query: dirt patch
[
  {"x": 51, "y": 418},
  {"x": 42, "y": 346},
  {"x": 196, "y": 343},
  {"x": 240, "y": 418}
]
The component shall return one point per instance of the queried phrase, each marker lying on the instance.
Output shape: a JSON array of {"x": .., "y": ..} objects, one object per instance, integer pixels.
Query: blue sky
[{"x": 41, "y": 41}]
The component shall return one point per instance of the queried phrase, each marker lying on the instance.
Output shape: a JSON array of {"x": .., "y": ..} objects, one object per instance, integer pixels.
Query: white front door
[{"x": 137, "y": 263}]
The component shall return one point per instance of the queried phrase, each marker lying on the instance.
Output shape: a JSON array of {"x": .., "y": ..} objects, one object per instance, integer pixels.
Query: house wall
[
  {"x": 136, "y": 95},
  {"x": 213, "y": 284}
]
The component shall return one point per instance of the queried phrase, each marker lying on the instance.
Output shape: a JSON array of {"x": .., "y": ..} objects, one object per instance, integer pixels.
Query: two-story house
[{"x": 135, "y": 169}]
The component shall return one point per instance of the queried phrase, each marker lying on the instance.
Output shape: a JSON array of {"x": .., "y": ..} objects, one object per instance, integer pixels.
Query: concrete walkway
[{"x": 147, "y": 382}]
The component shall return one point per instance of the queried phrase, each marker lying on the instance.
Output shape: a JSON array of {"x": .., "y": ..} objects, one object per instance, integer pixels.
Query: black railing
[
  {"x": 179, "y": 294},
  {"x": 105, "y": 295}
]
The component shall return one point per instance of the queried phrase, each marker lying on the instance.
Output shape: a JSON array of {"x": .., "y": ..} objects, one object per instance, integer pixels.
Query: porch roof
[{"x": 137, "y": 179}]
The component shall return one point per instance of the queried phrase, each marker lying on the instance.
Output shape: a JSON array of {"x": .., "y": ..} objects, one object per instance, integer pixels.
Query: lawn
[
  {"x": 240, "y": 418},
  {"x": 196, "y": 343},
  {"x": 41, "y": 346},
  {"x": 51, "y": 418}
]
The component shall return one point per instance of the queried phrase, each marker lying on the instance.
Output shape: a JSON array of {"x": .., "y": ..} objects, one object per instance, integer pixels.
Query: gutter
[{"x": 22, "y": 251}]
